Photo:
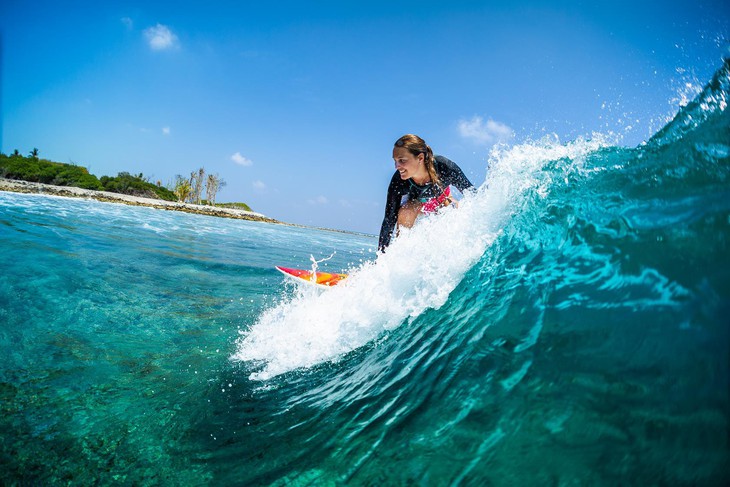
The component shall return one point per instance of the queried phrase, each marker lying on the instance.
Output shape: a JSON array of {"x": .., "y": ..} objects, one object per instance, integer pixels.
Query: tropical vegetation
[
  {"x": 34, "y": 169},
  {"x": 126, "y": 183}
]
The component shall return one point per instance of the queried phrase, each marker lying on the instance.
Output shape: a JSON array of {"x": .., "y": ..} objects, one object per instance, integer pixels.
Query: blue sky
[{"x": 296, "y": 105}]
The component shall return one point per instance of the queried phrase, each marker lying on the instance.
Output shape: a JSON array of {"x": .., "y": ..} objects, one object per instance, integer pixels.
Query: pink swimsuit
[{"x": 444, "y": 199}]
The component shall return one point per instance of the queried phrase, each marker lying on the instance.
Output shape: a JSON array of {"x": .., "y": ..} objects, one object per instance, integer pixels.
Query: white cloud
[
  {"x": 258, "y": 185},
  {"x": 127, "y": 22},
  {"x": 166, "y": 130},
  {"x": 319, "y": 200},
  {"x": 487, "y": 133},
  {"x": 240, "y": 160},
  {"x": 160, "y": 37}
]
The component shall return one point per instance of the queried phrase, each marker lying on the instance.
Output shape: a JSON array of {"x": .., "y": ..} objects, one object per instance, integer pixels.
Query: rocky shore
[{"x": 18, "y": 186}]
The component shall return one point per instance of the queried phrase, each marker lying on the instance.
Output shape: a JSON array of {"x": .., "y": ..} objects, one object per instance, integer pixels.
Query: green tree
[
  {"x": 182, "y": 188},
  {"x": 34, "y": 153}
]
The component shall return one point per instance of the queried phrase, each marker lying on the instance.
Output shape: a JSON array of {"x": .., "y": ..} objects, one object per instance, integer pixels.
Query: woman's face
[{"x": 407, "y": 164}]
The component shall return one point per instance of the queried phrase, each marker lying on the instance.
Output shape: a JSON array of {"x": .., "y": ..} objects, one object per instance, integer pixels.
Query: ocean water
[{"x": 567, "y": 325}]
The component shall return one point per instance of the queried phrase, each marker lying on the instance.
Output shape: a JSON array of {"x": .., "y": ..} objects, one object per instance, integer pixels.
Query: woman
[{"x": 420, "y": 185}]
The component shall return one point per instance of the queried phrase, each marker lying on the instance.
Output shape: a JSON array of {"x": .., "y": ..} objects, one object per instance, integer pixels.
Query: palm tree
[
  {"x": 182, "y": 188},
  {"x": 34, "y": 153}
]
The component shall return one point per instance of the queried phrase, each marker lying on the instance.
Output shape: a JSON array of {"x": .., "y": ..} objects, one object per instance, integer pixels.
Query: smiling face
[{"x": 410, "y": 166}]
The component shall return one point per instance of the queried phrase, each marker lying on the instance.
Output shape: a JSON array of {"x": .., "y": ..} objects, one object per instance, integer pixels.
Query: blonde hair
[{"x": 416, "y": 145}]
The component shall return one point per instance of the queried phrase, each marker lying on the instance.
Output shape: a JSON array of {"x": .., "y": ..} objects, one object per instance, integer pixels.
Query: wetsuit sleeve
[
  {"x": 392, "y": 205},
  {"x": 450, "y": 173}
]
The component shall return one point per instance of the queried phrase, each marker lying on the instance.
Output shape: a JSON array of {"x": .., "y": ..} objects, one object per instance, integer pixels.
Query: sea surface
[{"x": 567, "y": 325}]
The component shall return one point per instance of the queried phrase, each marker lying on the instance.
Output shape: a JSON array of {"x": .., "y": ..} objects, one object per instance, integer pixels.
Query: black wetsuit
[{"x": 449, "y": 174}]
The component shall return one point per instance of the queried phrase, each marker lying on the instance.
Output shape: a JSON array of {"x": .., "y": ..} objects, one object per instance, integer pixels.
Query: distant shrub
[
  {"x": 44, "y": 171},
  {"x": 126, "y": 183},
  {"x": 235, "y": 206}
]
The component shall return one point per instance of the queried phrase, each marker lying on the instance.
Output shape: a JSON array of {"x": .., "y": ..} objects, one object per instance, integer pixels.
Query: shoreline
[{"x": 28, "y": 187}]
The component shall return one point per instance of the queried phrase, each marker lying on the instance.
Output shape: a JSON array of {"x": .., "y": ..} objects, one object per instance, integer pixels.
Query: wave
[
  {"x": 592, "y": 225},
  {"x": 418, "y": 272}
]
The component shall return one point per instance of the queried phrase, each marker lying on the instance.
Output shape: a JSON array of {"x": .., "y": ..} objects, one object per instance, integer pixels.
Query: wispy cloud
[
  {"x": 259, "y": 185},
  {"x": 484, "y": 132},
  {"x": 240, "y": 160},
  {"x": 166, "y": 130},
  {"x": 160, "y": 37},
  {"x": 128, "y": 23},
  {"x": 319, "y": 200}
]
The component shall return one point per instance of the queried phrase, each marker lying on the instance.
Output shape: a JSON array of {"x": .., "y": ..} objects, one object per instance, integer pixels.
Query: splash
[{"x": 417, "y": 273}]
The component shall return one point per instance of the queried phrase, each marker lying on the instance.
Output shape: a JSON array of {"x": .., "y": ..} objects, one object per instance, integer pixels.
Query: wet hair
[{"x": 416, "y": 145}]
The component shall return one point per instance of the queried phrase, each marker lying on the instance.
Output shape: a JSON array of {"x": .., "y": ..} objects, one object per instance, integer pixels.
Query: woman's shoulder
[
  {"x": 444, "y": 162},
  {"x": 451, "y": 173}
]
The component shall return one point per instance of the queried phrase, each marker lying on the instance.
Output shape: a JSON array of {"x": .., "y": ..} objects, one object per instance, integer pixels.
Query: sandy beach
[{"x": 18, "y": 186}]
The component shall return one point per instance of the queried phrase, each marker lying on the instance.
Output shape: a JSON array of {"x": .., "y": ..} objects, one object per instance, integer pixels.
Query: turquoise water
[{"x": 568, "y": 325}]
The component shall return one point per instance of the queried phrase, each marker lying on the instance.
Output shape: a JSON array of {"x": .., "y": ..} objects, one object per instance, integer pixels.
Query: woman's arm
[{"x": 392, "y": 205}]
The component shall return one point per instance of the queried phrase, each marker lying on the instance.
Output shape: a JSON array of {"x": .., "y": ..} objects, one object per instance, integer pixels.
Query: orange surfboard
[{"x": 325, "y": 279}]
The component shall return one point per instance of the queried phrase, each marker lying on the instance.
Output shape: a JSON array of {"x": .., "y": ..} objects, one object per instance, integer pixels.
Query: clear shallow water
[{"x": 566, "y": 326}]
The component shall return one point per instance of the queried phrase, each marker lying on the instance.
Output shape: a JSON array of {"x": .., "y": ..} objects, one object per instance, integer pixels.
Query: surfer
[{"x": 420, "y": 185}]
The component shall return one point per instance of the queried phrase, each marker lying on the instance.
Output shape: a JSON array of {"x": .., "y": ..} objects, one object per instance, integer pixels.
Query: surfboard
[{"x": 323, "y": 279}]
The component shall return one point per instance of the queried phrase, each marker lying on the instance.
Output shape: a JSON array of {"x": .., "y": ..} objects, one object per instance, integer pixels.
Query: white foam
[{"x": 419, "y": 270}]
